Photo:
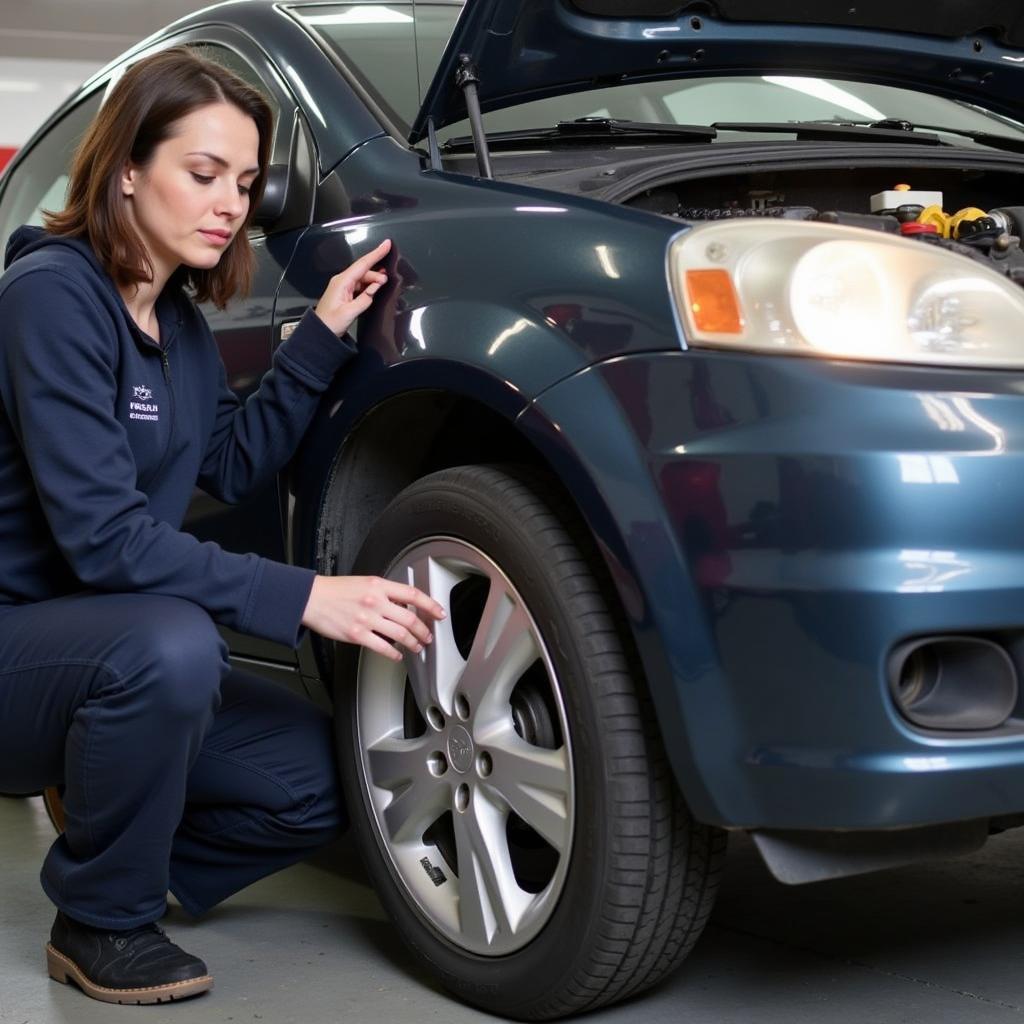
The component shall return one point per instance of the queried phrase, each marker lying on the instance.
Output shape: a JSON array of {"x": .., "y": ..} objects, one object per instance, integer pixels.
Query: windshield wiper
[
  {"x": 591, "y": 129},
  {"x": 829, "y": 130},
  {"x": 996, "y": 141}
]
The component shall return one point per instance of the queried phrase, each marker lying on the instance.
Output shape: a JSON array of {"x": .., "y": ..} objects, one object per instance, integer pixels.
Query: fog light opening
[
  {"x": 918, "y": 677},
  {"x": 953, "y": 682}
]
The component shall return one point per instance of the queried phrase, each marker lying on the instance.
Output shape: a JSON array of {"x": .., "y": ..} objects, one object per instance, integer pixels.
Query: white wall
[{"x": 30, "y": 90}]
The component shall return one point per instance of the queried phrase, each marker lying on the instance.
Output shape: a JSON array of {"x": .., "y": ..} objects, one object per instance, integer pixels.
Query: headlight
[{"x": 850, "y": 293}]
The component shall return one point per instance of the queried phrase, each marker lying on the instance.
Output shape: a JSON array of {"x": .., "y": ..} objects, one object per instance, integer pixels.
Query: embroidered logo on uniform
[{"x": 143, "y": 409}]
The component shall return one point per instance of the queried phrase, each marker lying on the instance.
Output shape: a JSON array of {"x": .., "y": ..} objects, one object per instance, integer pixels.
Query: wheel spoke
[
  {"x": 503, "y": 649},
  {"x": 535, "y": 783},
  {"x": 394, "y": 761},
  {"x": 434, "y": 672},
  {"x": 413, "y": 810},
  {"x": 418, "y": 799},
  {"x": 490, "y": 901}
]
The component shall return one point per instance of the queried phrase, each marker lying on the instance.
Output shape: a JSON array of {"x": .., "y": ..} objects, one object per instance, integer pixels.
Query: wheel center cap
[{"x": 460, "y": 750}]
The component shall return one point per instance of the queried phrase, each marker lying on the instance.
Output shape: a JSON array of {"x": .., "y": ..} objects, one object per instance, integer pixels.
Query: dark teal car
[{"x": 696, "y": 394}]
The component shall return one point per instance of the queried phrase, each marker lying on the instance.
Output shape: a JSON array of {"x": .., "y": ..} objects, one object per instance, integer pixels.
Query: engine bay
[{"x": 969, "y": 211}]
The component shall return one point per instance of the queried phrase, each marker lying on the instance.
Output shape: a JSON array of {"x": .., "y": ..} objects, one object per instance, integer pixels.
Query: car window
[
  {"x": 378, "y": 44},
  {"x": 747, "y": 98},
  {"x": 39, "y": 181},
  {"x": 233, "y": 61}
]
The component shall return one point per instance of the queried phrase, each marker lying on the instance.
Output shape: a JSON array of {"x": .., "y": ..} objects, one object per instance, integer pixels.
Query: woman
[{"x": 180, "y": 772}]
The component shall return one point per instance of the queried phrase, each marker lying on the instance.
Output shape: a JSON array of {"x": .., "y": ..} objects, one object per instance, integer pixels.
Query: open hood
[{"x": 529, "y": 49}]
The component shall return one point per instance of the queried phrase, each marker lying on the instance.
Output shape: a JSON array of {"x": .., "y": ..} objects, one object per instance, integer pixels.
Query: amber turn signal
[{"x": 713, "y": 302}]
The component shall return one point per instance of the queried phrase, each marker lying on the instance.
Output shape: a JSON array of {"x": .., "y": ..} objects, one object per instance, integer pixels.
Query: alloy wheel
[{"x": 466, "y": 757}]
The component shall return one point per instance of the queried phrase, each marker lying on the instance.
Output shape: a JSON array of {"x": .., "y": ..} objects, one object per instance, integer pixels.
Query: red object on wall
[{"x": 6, "y": 152}]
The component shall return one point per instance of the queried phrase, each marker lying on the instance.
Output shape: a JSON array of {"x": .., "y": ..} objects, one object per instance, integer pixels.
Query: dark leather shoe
[{"x": 140, "y": 965}]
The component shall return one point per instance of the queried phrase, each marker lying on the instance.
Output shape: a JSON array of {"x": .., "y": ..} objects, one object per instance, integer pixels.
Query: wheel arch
[{"x": 406, "y": 435}]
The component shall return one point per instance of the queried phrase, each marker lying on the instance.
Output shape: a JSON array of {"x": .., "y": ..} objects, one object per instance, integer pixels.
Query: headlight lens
[{"x": 825, "y": 289}]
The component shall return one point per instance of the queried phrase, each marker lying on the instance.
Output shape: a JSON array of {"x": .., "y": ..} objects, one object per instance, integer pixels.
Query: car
[{"x": 694, "y": 395}]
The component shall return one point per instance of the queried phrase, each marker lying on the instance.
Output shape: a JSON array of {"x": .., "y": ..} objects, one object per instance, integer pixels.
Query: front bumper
[{"x": 776, "y": 526}]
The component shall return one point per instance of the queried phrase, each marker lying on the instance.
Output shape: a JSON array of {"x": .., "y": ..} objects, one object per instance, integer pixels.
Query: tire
[{"x": 602, "y": 882}]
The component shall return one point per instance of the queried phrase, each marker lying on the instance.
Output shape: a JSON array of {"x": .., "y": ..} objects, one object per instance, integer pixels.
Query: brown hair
[{"x": 138, "y": 115}]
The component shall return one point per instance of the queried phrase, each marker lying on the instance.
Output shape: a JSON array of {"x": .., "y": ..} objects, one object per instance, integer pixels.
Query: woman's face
[{"x": 191, "y": 198}]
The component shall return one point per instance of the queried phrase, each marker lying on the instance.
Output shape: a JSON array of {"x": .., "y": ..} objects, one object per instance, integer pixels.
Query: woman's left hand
[{"x": 351, "y": 291}]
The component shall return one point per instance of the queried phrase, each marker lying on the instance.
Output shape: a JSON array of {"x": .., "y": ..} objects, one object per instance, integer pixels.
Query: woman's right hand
[
  {"x": 350, "y": 292},
  {"x": 365, "y": 610}
]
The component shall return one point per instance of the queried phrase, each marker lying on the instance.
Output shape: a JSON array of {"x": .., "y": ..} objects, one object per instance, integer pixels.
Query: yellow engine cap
[
  {"x": 967, "y": 213},
  {"x": 937, "y": 216}
]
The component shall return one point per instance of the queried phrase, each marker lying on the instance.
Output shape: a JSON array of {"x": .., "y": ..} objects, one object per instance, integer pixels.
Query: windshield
[{"x": 764, "y": 98}]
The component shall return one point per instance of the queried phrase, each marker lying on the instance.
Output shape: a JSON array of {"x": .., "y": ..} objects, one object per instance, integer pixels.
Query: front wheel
[{"x": 508, "y": 786}]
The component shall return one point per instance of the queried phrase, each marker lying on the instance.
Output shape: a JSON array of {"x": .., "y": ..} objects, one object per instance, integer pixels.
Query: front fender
[
  {"x": 586, "y": 440},
  {"x": 334, "y": 432}
]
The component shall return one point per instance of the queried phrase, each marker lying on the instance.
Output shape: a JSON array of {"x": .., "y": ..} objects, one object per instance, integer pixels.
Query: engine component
[
  {"x": 1010, "y": 219},
  {"x": 913, "y": 228},
  {"x": 979, "y": 231},
  {"x": 909, "y": 212},
  {"x": 726, "y": 212},
  {"x": 875, "y": 222},
  {"x": 938, "y": 217},
  {"x": 902, "y": 195},
  {"x": 964, "y": 217}
]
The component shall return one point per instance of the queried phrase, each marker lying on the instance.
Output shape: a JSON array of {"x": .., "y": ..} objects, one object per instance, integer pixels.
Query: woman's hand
[
  {"x": 365, "y": 609},
  {"x": 351, "y": 291}
]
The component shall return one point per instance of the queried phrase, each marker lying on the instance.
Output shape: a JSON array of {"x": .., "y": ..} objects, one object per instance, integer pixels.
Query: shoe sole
[{"x": 64, "y": 970}]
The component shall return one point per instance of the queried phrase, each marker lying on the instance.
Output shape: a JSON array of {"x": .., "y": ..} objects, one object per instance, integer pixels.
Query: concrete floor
[{"x": 931, "y": 944}]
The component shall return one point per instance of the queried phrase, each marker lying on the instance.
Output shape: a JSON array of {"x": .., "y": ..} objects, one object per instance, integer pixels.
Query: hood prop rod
[{"x": 466, "y": 78}]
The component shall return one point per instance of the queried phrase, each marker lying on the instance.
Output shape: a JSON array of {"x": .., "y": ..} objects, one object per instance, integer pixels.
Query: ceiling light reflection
[
  {"x": 361, "y": 14},
  {"x": 969, "y": 413},
  {"x": 519, "y": 325},
  {"x": 828, "y": 92},
  {"x": 927, "y": 469},
  {"x": 940, "y": 413},
  {"x": 299, "y": 84},
  {"x": 604, "y": 257},
  {"x": 416, "y": 326}
]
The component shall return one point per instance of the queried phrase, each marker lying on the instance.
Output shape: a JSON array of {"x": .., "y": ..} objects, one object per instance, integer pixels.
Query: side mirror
[{"x": 275, "y": 194}]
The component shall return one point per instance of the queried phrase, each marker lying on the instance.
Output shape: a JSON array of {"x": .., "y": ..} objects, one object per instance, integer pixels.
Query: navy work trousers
[{"x": 180, "y": 772}]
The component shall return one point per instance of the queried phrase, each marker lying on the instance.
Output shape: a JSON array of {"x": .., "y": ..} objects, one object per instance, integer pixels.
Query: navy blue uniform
[{"x": 180, "y": 771}]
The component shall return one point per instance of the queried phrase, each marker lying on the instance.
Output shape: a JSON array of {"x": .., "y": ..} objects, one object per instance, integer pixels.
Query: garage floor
[{"x": 943, "y": 942}]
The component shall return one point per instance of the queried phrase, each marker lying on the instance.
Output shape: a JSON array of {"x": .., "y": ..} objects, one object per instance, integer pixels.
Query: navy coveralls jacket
[{"x": 104, "y": 434}]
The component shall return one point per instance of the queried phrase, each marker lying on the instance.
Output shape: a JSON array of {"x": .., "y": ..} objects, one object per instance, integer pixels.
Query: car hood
[{"x": 528, "y": 49}]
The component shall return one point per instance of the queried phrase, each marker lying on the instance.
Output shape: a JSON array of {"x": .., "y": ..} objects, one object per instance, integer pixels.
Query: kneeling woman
[{"x": 180, "y": 772}]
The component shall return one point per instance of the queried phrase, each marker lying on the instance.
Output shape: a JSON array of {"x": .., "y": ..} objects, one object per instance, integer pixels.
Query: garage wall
[
  {"x": 49, "y": 47},
  {"x": 29, "y": 91}
]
